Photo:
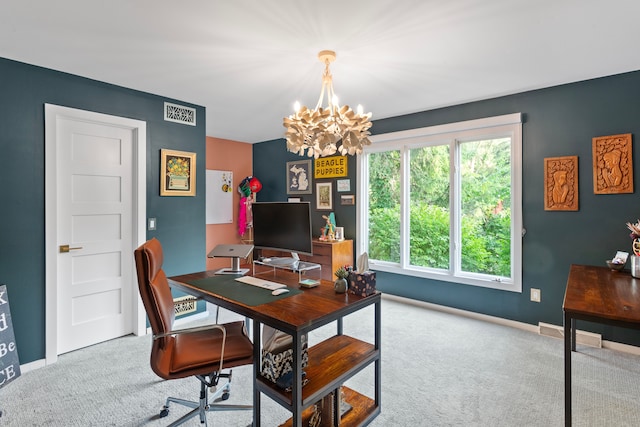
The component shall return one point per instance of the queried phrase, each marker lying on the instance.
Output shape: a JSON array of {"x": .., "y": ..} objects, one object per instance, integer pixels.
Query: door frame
[{"x": 139, "y": 206}]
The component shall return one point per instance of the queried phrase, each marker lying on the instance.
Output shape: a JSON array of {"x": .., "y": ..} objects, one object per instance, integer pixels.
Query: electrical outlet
[{"x": 535, "y": 295}]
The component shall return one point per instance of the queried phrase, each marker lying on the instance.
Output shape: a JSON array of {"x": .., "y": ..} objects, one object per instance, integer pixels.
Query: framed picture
[
  {"x": 561, "y": 183},
  {"x": 177, "y": 173},
  {"x": 324, "y": 198},
  {"x": 612, "y": 164},
  {"x": 299, "y": 177},
  {"x": 347, "y": 199},
  {"x": 343, "y": 185}
]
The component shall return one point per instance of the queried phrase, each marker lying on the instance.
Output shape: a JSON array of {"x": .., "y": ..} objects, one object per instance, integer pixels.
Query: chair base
[{"x": 203, "y": 405}]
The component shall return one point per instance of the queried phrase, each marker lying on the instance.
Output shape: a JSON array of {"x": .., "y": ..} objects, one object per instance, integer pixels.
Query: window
[{"x": 444, "y": 202}]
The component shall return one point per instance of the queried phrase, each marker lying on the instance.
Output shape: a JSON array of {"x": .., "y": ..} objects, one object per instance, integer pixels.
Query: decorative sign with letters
[
  {"x": 331, "y": 167},
  {"x": 9, "y": 364}
]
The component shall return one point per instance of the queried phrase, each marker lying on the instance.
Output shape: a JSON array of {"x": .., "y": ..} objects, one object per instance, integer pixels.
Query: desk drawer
[{"x": 320, "y": 249}]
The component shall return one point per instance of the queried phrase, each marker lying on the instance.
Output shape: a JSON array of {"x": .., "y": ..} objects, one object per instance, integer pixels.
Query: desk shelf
[
  {"x": 304, "y": 269},
  {"x": 362, "y": 412},
  {"x": 331, "y": 363}
]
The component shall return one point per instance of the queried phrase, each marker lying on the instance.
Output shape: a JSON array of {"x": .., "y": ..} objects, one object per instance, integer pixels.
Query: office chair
[{"x": 202, "y": 352}]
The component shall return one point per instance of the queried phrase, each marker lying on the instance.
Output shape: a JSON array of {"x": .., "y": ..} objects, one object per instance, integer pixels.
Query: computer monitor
[{"x": 283, "y": 226}]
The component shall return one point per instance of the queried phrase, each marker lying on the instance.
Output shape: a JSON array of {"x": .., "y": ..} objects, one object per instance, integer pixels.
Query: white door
[{"x": 95, "y": 192}]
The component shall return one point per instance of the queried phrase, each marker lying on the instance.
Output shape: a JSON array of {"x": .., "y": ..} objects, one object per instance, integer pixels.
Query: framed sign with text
[
  {"x": 9, "y": 363},
  {"x": 331, "y": 167}
]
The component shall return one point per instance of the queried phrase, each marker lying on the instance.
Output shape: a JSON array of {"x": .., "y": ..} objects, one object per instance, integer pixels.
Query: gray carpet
[{"x": 439, "y": 369}]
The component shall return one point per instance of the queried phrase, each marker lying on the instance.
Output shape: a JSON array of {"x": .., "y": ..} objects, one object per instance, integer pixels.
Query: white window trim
[{"x": 426, "y": 136}]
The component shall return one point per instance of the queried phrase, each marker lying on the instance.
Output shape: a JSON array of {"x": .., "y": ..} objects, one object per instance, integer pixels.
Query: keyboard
[{"x": 260, "y": 283}]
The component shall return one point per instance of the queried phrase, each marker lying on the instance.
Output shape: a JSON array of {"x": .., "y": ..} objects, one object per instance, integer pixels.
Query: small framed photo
[
  {"x": 347, "y": 199},
  {"x": 324, "y": 196},
  {"x": 177, "y": 173},
  {"x": 343, "y": 185},
  {"x": 299, "y": 177}
]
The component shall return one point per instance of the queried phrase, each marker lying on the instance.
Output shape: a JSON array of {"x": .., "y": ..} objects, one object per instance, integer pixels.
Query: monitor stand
[
  {"x": 235, "y": 268},
  {"x": 235, "y": 252},
  {"x": 285, "y": 261}
]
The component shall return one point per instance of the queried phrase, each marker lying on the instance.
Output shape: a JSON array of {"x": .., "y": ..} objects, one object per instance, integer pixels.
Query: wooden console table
[{"x": 596, "y": 294}]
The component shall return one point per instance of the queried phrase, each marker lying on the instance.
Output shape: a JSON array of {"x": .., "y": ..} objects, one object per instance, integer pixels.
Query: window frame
[{"x": 453, "y": 134}]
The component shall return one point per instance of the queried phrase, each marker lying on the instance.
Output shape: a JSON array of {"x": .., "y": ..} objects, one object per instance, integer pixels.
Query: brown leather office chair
[{"x": 202, "y": 351}]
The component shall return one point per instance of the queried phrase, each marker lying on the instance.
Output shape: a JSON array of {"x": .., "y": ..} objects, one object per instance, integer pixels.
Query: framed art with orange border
[
  {"x": 561, "y": 183},
  {"x": 177, "y": 173}
]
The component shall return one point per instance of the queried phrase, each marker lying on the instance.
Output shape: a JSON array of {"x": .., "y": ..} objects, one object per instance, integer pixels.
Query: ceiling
[{"x": 248, "y": 61}]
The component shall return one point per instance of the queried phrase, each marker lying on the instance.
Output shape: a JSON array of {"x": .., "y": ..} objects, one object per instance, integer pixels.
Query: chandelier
[{"x": 324, "y": 131}]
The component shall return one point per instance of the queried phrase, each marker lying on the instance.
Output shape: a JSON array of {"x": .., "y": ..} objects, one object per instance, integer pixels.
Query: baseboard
[
  {"x": 582, "y": 337},
  {"x": 463, "y": 313},
  {"x": 32, "y": 366}
]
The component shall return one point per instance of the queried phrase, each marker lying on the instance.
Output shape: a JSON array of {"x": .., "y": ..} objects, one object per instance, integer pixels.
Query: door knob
[{"x": 66, "y": 248}]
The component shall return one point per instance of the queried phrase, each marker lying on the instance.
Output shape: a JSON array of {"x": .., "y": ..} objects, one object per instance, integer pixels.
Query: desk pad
[{"x": 226, "y": 286}]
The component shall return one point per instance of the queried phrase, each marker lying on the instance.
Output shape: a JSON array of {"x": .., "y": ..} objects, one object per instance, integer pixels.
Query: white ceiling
[{"x": 247, "y": 61}]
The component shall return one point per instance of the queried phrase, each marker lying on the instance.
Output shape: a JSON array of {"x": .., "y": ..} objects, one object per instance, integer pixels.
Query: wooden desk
[
  {"x": 331, "y": 362},
  {"x": 596, "y": 294}
]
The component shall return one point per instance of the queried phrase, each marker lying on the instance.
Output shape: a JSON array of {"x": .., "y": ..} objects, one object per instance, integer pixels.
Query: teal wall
[
  {"x": 24, "y": 90},
  {"x": 558, "y": 121},
  {"x": 272, "y": 175}
]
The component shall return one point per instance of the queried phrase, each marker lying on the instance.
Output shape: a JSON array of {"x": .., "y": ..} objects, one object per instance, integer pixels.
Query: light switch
[{"x": 151, "y": 224}]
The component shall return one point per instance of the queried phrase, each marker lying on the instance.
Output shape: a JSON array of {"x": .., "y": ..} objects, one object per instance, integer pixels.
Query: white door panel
[{"x": 95, "y": 203}]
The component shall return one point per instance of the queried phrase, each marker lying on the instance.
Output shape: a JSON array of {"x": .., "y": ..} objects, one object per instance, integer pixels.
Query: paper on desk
[{"x": 362, "y": 263}]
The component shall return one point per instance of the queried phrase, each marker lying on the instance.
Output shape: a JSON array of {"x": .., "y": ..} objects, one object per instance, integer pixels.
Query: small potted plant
[{"x": 340, "y": 285}]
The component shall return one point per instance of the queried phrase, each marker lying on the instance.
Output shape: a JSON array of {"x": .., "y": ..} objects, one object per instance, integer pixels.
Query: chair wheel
[
  {"x": 224, "y": 396},
  {"x": 164, "y": 412}
]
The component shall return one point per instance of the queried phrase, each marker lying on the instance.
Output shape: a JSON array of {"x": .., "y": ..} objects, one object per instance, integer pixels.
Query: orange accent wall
[{"x": 237, "y": 157}]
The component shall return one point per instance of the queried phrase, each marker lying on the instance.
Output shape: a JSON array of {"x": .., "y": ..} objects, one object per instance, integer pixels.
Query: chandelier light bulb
[{"x": 325, "y": 131}]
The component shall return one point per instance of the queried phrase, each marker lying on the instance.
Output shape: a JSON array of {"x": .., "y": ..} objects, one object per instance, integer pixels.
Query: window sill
[{"x": 445, "y": 276}]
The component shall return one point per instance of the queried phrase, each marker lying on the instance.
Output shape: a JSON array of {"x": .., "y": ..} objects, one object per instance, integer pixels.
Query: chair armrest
[{"x": 192, "y": 330}]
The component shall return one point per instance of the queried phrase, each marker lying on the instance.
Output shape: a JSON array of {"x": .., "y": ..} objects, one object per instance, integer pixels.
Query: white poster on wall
[{"x": 219, "y": 188}]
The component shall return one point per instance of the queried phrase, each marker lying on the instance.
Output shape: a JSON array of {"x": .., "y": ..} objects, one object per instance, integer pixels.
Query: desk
[
  {"x": 596, "y": 294},
  {"x": 331, "y": 362}
]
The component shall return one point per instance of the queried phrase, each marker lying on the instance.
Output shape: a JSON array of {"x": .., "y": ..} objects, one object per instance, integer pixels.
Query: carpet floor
[{"x": 438, "y": 369}]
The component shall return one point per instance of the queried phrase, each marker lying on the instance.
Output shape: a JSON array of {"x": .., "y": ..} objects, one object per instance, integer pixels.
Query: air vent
[
  {"x": 179, "y": 114},
  {"x": 184, "y": 305}
]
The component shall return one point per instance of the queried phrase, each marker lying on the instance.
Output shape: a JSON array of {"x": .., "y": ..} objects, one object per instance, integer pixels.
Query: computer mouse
[{"x": 279, "y": 291}]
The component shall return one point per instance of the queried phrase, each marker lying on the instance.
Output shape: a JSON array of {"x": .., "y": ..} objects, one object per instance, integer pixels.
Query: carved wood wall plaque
[
  {"x": 612, "y": 164},
  {"x": 561, "y": 183}
]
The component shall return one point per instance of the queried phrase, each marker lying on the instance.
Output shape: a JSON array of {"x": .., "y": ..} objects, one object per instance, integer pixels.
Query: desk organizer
[{"x": 276, "y": 364}]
